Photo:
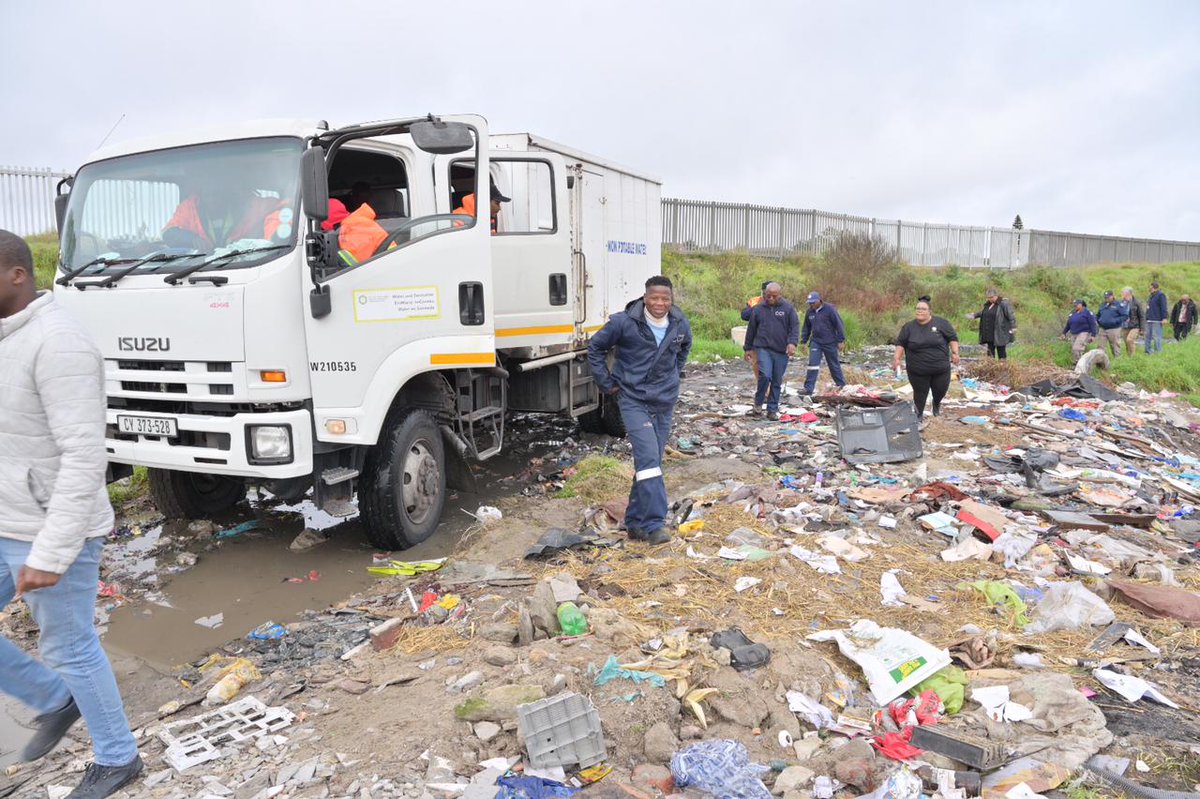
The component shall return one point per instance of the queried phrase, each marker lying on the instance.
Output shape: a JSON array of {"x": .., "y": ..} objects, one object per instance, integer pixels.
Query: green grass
[
  {"x": 45, "y": 255},
  {"x": 707, "y": 350},
  {"x": 122, "y": 492},
  {"x": 597, "y": 478}
]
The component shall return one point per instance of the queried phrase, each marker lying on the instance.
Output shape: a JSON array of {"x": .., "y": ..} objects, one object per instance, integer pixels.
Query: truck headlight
[{"x": 270, "y": 443}]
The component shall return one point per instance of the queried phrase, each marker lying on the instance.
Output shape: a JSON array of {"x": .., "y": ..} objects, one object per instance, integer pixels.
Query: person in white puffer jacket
[{"x": 54, "y": 517}]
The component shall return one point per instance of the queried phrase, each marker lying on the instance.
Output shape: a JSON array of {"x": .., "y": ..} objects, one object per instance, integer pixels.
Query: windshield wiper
[
  {"x": 134, "y": 264},
  {"x": 69, "y": 276},
  {"x": 175, "y": 278}
]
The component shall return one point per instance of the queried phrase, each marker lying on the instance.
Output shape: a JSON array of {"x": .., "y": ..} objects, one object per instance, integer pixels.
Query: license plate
[{"x": 148, "y": 426}]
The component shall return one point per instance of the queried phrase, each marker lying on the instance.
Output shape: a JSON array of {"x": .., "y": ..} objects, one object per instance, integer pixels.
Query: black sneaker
[
  {"x": 49, "y": 729},
  {"x": 101, "y": 781},
  {"x": 773, "y": 416},
  {"x": 755, "y": 411}
]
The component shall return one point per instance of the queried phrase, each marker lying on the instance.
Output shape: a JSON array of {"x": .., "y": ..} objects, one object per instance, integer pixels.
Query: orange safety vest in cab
[
  {"x": 360, "y": 235},
  {"x": 468, "y": 209},
  {"x": 262, "y": 213}
]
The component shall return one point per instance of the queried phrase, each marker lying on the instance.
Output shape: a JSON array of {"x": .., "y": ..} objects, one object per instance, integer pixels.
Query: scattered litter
[
  {"x": 401, "y": 568},
  {"x": 562, "y": 731},
  {"x": 234, "y": 532},
  {"x": 200, "y": 739},
  {"x": 211, "y": 622},
  {"x": 306, "y": 540},
  {"x": 745, "y": 653},
  {"x": 486, "y": 514},
  {"x": 893, "y": 592},
  {"x": 1069, "y": 606},
  {"x": 1131, "y": 688},
  {"x": 721, "y": 768},
  {"x": 745, "y": 583}
]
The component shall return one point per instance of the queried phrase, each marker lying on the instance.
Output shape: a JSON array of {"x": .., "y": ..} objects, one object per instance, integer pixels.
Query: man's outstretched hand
[{"x": 30, "y": 579}]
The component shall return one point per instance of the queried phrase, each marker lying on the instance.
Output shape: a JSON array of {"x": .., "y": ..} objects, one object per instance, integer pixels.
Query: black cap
[{"x": 497, "y": 196}]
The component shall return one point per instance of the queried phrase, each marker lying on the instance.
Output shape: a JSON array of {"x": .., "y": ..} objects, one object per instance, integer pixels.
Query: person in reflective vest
[
  {"x": 468, "y": 206},
  {"x": 192, "y": 225}
]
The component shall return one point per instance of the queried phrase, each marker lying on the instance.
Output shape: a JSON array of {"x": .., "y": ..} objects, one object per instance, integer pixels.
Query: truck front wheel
[
  {"x": 403, "y": 488},
  {"x": 192, "y": 495}
]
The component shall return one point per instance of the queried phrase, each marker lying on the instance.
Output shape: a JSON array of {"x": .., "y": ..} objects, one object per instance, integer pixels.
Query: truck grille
[{"x": 183, "y": 379}]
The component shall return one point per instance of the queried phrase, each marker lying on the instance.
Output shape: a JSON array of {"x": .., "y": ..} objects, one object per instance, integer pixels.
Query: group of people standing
[{"x": 1124, "y": 319}]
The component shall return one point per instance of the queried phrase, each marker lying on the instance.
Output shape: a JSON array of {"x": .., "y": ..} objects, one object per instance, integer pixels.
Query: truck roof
[{"x": 303, "y": 128}]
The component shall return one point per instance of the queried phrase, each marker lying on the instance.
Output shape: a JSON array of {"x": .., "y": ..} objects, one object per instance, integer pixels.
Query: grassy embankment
[{"x": 876, "y": 302}]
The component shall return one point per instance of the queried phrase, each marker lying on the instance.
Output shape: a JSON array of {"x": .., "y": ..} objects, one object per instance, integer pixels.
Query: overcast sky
[{"x": 1081, "y": 116}]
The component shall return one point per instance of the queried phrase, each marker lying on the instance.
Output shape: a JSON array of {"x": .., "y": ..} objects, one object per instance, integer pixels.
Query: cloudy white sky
[{"x": 1080, "y": 116}]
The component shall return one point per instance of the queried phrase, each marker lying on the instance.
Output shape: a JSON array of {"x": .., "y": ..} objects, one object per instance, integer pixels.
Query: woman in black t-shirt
[{"x": 929, "y": 346}]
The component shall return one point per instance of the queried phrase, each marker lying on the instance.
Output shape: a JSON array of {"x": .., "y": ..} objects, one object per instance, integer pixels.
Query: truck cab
[{"x": 250, "y": 338}]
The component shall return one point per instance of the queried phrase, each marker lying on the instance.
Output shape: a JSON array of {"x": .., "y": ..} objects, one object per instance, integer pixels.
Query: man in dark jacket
[
  {"x": 997, "y": 324},
  {"x": 1111, "y": 318},
  {"x": 1183, "y": 317},
  {"x": 1156, "y": 316},
  {"x": 652, "y": 339},
  {"x": 823, "y": 327},
  {"x": 1082, "y": 329},
  {"x": 772, "y": 336},
  {"x": 1135, "y": 322}
]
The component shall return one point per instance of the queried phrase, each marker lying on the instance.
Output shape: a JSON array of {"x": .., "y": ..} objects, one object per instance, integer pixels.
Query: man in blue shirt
[
  {"x": 1156, "y": 315},
  {"x": 1081, "y": 327},
  {"x": 652, "y": 339},
  {"x": 824, "y": 329},
  {"x": 771, "y": 336}
]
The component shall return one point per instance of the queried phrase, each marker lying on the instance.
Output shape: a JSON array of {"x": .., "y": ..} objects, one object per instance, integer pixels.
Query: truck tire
[
  {"x": 403, "y": 489},
  {"x": 605, "y": 420},
  {"x": 192, "y": 495}
]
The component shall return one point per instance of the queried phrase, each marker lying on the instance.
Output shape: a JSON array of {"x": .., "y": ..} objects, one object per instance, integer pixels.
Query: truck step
[
  {"x": 340, "y": 507},
  {"x": 482, "y": 413},
  {"x": 487, "y": 453},
  {"x": 339, "y": 474}
]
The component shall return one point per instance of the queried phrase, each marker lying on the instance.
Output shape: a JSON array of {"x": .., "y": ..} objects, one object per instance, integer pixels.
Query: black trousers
[
  {"x": 1181, "y": 331},
  {"x": 997, "y": 352},
  {"x": 939, "y": 384}
]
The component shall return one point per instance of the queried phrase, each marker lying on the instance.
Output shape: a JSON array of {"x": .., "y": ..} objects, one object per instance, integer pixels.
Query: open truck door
[{"x": 415, "y": 311}]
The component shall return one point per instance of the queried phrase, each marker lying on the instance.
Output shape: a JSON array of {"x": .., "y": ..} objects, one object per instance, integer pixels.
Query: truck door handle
[
  {"x": 470, "y": 303},
  {"x": 558, "y": 289}
]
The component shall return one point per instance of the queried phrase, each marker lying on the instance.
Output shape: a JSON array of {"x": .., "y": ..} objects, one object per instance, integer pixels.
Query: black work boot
[
  {"x": 659, "y": 536},
  {"x": 49, "y": 729},
  {"x": 101, "y": 781}
]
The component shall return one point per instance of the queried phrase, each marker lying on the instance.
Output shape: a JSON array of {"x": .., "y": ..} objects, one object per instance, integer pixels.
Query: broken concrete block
[
  {"x": 659, "y": 743},
  {"x": 498, "y": 704},
  {"x": 384, "y": 634}
]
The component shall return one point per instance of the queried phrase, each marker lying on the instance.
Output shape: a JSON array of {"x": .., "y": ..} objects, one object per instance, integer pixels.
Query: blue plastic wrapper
[
  {"x": 532, "y": 788},
  {"x": 720, "y": 767},
  {"x": 1071, "y": 413}
]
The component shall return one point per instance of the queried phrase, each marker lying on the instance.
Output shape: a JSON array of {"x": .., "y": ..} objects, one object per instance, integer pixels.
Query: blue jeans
[
  {"x": 73, "y": 662},
  {"x": 772, "y": 366},
  {"x": 1154, "y": 334},
  {"x": 648, "y": 428},
  {"x": 815, "y": 351}
]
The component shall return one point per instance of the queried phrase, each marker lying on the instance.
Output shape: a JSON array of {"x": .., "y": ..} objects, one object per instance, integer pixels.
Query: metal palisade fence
[
  {"x": 27, "y": 208},
  {"x": 713, "y": 227},
  {"x": 27, "y": 199}
]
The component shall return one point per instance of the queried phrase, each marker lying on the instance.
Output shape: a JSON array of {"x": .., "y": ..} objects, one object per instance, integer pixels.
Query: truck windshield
[{"x": 211, "y": 206}]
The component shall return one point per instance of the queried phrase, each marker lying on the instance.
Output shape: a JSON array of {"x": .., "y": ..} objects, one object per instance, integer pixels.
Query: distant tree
[{"x": 1018, "y": 224}]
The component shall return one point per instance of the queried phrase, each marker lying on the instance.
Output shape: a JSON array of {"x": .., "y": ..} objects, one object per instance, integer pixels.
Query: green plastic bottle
[{"x": 571, "y": 619}]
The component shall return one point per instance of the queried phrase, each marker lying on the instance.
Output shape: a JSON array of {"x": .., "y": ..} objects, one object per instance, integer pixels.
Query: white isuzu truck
[{"x": 242, "y": 347}]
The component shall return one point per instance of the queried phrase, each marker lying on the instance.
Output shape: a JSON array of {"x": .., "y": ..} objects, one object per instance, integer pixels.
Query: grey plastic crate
[
  {"x": 879, "y": 435},
  {"x": 562, "y": 731}
]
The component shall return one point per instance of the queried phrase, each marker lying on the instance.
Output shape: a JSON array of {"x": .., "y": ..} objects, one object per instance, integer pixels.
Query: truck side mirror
[
  {"x": 314, "y": 184},
  {"x": 60, "y": 210},
  {"x": 442, "y": 138}
]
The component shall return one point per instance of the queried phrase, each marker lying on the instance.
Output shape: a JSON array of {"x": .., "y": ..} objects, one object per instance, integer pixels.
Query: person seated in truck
[
  {"x": 211, "y": 217},
  {"x": 468, "y": 206},
  {"x": 360, "y": 194}
]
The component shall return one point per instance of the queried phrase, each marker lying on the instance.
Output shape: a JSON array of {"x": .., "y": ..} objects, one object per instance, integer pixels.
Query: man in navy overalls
[{"x": 652, "y": 339}]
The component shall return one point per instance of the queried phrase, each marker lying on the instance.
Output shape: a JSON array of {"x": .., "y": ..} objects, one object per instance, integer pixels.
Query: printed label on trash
[
  {"x": 396, "y": 305},
  {"x": 906, "y": 670}
]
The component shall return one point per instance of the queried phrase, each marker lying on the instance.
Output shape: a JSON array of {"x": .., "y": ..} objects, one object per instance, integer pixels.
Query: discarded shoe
[
  {"x": 745, "y": 653},
  {"x": 49, "y": 729},
  {"x": 101, "y": 781}
]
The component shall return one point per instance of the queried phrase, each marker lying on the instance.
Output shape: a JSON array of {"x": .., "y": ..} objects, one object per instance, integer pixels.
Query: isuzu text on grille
[{"x": 132, "y": 344}]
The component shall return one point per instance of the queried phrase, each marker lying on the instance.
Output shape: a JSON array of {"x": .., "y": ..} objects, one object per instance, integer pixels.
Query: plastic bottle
[
  {"x": 820, "y": 479},
  {"x": 571, "y": 619},
  {"x": 236, "y": 675}
]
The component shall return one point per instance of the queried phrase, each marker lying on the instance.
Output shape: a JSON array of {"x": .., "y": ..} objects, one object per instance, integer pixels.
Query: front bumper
[{"x": 212, "y": 444}]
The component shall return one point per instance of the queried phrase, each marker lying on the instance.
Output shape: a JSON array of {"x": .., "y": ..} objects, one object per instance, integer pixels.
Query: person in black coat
[
  {"x": 997, "y": 324},
  {"x": 1183, "y": 317}
]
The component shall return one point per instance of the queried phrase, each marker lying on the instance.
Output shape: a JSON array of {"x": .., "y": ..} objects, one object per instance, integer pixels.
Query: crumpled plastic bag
[
  {"x": 720, "y": 767},
  {"x": 950, "y": 686},
  {"x": 1003, "y": 594},
  {"x": 1013, "y": 547},
  {"x": 1069, "y": 606}
]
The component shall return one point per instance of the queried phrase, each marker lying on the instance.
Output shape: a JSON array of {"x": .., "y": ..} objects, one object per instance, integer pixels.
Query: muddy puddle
[{"x": 241, "y": 582}]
